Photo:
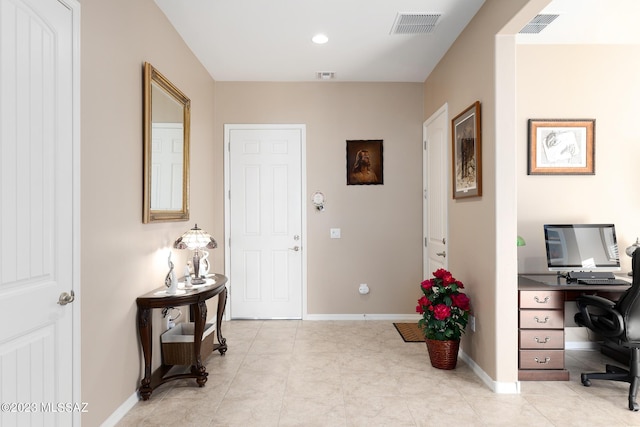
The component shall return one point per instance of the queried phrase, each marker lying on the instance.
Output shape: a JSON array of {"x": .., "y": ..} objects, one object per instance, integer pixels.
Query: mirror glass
[{"x": 166, "y": 149}]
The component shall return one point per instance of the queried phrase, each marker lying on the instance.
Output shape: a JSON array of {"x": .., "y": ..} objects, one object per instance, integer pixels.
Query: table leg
[
  {"x": 200, "y": 318},
  {"x": 144, "y": 331},
  {"x": 222, "y": 302}
]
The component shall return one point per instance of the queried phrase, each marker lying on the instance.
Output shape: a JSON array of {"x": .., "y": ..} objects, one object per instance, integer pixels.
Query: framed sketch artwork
[
  {"x": 467, "y": 153},
  {"x": 561, "y": 147},
  {"x": 364, "y": 162}
]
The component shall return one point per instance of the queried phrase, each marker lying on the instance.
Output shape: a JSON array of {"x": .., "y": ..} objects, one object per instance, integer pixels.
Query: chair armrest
[
  {"x": 599, "y": 315},
  {"x": 595, "y": 301}
]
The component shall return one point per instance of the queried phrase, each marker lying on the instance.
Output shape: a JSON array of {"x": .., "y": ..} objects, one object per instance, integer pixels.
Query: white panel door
[
  {"x": 37, "y": 96},
  {"x": 435, "y": 192},
  {"x": 265, "y": 222},
  {"x": 167, "y": 147}
]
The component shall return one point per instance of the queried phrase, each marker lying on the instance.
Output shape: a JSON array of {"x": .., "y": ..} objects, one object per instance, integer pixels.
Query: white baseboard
[
  {"x": 122, "y": 410},
  {"x": 495, "y": 386},
  {"x": 405, "y": 317},
  {"x": 582, "y": 345}
]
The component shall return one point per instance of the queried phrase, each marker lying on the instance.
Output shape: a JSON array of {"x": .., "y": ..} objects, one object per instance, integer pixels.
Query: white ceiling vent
[
  {"x": 325, "y": 75},
  {"x": 538, "y": 24},
  {"x": 415, "y": 23}
]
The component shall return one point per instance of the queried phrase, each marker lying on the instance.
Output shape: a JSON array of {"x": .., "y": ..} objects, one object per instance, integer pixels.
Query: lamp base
[{"x": 198, "y": 281}]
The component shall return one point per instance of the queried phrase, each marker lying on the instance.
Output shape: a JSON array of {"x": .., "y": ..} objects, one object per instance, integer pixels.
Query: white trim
[
  {"x": 582, "y": 345},
  {"x": 407, "y": 317},
  {"x": 506, "y": 210},
  {"x": 122, "y": 410},
  {"x": 76, "y": 335},
  {"x": 495, "y": 386},
  {"x": 303, "y": 207}
]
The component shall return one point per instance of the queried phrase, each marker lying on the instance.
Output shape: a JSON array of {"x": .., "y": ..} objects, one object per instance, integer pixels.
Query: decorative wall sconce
[{"x": 318, "y": 200}]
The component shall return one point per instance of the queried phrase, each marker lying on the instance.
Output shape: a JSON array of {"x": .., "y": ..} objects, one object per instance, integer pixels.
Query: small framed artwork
[
  {"x": 364, "y": 162},
  {"x": 467, "y": 153},
  {"x": 561, "y": 147}
]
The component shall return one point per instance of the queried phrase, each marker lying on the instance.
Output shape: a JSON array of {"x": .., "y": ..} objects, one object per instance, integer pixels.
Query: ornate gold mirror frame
[{"x": 167, "y": 114}]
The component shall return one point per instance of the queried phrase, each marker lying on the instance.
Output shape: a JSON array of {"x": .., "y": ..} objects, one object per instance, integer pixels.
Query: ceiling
[{"x": 258, "y": 40}]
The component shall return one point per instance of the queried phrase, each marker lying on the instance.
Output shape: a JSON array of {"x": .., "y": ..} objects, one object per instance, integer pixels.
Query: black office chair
[{"x": 618, "y": 322}]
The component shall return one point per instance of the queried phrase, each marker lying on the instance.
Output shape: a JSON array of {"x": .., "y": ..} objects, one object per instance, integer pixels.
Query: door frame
[
  {"x": 74, "y": 6},
  {"x": 444, "y": 109},
  {"x": 227, "y": 205}
]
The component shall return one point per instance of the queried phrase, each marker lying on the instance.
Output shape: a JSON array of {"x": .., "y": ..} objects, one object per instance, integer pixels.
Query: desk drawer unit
[
  {"x": 538, "y": 339},
  {"x": 541, "y": 319},
  {"x": 541, "y": 335},
  {"x": 541, "y": 359}
]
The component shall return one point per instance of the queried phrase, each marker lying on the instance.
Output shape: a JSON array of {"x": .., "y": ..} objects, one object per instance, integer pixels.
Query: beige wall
[
  {"x": 121, "y": 258},
  {"x": 381, "y": 224},
  {"x": 464, "y": 75},
  {"x": 595, "y": 82}
]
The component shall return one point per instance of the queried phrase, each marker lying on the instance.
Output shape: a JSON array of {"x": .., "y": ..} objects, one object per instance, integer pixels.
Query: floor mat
[{"x": 410, "y": 332}]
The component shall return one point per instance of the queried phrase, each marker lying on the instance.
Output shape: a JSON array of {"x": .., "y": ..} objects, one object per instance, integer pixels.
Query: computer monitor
[{"x": 581, "y": 247}]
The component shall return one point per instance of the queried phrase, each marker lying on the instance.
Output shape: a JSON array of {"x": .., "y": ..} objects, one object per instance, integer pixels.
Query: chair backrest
[{"x": 629, "y": 305}]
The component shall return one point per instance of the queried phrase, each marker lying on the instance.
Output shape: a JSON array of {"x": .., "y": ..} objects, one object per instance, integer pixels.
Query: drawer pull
[
  {"x": 543, "y": 362},
  {"x": 537, "y": 319},
  {"x": 539, "y": 341},
  {"x": 544, "y": 301}
]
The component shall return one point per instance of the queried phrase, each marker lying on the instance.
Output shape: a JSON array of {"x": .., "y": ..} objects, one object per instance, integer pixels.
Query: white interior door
[
  {"x": 38, "y": 208},
  {"x": 435, "y": 166},
  {"x": 167, "y": 147},
  {"x": 265, "y": 221}
]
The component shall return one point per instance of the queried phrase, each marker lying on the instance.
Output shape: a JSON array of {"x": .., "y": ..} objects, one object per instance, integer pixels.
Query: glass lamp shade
[
  {"x": 631, "y": 249},
  {"x": 195, "y": 239}
]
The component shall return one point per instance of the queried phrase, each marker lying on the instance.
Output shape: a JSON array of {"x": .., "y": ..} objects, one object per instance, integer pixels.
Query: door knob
[
  {"x": 66, "y": 298},
  {"x": 295, "y": 248},
  {"x": 442, "y": 254}
]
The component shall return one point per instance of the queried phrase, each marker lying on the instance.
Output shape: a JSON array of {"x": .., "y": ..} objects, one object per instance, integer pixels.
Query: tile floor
[{"x": 361, "y": 373}]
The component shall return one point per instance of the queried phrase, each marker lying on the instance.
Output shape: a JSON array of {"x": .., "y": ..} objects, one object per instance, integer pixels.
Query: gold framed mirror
[{"x": 167, "y": 113}]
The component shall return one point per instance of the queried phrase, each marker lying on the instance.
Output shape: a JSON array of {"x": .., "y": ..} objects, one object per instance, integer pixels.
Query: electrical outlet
[{"x": 472, "y": 323}]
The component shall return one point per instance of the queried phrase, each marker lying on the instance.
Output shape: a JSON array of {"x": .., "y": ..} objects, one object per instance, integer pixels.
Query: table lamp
[
  {"x": 631, "y": 249},
  {"x": 196, "y": 240}
]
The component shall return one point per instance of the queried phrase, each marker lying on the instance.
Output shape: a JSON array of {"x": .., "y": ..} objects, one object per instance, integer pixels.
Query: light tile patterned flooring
[{"x": 361, "y": 373}]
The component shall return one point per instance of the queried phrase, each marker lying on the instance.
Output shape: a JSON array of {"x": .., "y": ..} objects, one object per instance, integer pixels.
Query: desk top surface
[{"x": 552, "y": 280}]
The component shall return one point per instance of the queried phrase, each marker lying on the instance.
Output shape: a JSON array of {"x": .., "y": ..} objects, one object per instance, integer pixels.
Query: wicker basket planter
[
  {"x": 443, "y": 354},
  {"x": 177, "y": 344}
]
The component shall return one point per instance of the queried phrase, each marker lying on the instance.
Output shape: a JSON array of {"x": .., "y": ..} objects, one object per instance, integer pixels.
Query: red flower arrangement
[{"x": 444, "y": 309}]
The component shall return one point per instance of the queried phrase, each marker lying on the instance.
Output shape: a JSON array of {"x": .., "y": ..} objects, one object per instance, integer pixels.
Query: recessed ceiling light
[{"x": 320, "y": 39}]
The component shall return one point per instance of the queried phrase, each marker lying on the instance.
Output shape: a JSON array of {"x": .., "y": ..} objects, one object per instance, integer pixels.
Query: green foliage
[{"x": 444, "y": 309}]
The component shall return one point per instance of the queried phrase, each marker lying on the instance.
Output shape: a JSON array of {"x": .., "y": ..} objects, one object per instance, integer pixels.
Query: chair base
[{"x": 615, "y": 373}]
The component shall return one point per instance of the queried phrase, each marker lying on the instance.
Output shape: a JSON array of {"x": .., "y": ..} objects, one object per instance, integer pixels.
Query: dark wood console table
[{"x": 196, "y": 299}]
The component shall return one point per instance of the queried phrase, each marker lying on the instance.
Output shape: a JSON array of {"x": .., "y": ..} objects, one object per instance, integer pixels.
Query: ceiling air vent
[
  {"x": 538, "y": 24},
  {"x": 325, "y": 75},
  {"x": 415, "y": 23}
]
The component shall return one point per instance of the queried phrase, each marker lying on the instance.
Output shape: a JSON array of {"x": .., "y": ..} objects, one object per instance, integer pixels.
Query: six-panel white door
[
  {"x": 167, "y": 147},
  {"x": 265, "y": 221},
  {"x": 435, "y": 193},
  {"x": 37, "y": 233}
]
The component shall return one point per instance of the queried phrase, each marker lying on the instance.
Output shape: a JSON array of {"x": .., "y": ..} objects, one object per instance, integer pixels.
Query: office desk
[{"x": 541, "y": 299}]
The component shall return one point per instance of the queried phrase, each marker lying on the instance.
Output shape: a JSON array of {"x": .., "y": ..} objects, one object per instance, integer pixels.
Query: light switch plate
[{"x": 335, "y": 233}]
